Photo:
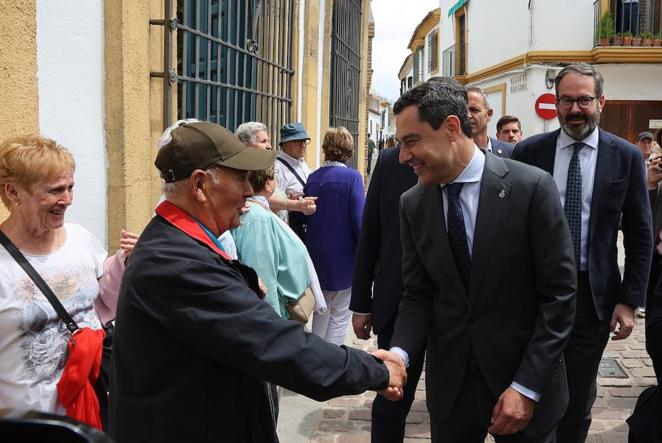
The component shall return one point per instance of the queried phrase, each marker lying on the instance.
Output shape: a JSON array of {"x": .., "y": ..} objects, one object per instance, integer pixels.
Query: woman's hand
[{"x": 127, "y": 241}]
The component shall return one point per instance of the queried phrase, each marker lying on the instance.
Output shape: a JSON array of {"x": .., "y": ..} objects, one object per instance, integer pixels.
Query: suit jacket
[
  {"x": 516, "y": 318},
  {"x": 502, "y": 149},
  {"x": 193, "y": 344},
  {"x": 619, "y": 188},
  {"x": 379, "y": 252}
]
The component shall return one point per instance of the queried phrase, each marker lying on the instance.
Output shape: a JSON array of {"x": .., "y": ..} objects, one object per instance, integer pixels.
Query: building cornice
[
  {"x": 426, "y": 25},
  {"x": 611, "y": 54}
]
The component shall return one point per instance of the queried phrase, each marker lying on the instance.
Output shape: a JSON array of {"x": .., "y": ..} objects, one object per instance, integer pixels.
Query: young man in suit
[
  {"x": 602, "y": 183},
  {"x": 377, "y": 283},
  {"x": 480, "y": 114},
  {"x": 489, "y": 278}
]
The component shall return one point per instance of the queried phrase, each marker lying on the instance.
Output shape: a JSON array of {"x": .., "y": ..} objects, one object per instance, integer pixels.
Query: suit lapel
[
  {"x": 603, "y": 171},
  {"x": 492, "y": 204},
  {"x": 548, "y": 153},
  {"x": 432, "y": 205}
]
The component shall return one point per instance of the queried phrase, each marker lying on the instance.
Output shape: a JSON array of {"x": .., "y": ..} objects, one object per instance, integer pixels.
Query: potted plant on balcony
[
  {"x": 646, "y": 38},
  {"x": 627, "y": 38},
  {"x": 636, "y": 40},
  {"x": 618, "y": 39},
  {"x": 606, "y": 28},
  {"x": 657, "y": 39}
]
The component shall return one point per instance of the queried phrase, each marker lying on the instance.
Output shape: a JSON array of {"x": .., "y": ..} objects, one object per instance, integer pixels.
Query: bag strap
[
  {"x": 41, "y": 284},
  {"x": 289, "y": 166}
]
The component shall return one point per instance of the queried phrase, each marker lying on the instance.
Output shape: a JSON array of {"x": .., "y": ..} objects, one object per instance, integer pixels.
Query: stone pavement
[{"x": 347, "y": 419}]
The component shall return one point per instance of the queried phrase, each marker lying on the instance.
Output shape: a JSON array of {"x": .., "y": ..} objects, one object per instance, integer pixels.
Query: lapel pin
[
  {"x": 502, "y": 193},
  {"x": 500, "y": 151}
]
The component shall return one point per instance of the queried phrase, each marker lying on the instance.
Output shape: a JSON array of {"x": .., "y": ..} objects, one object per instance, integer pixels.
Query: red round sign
[{"x": 546, "y": 106}]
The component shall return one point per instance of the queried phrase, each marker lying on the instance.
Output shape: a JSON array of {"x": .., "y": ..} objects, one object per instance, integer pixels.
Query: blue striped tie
[
  {"x": 573, "y": 200},
  {"x": 457, "y": 236}
]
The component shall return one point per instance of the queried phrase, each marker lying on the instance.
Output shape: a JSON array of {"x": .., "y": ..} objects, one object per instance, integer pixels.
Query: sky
[{"x": 395, "y": 21}]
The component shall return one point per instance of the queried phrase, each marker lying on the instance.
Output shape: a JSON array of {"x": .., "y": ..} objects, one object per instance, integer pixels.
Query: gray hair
[
  {"x": 582, "y": 69},
  {"x": 479, "y": 91},
  {"x": 170, "y": 189},
  {"x": 246, "y": 131}
]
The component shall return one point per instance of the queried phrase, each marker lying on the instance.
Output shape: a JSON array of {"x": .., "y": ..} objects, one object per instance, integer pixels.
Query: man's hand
[
  {"x": 397, "y": 374},
  {"x": 362, "y": 324},
  {"x": 624, "y": 316},
  {"x": 654, "y": 172},
  {"x": 512, "y": 413}
]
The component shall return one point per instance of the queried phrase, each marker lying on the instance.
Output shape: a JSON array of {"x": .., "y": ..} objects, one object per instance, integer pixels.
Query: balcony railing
[
  {"x": 635, "y": 23},
  {"x": 448, "y": 62}
]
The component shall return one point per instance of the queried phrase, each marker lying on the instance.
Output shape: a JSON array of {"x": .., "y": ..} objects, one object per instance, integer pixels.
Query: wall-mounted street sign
[
  {"x": 654, "y": 124},
  {"x": 546, "y": 106}
]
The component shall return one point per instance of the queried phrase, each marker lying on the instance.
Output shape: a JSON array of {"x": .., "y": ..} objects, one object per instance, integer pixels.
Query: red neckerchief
[{"x": 188, "y": 225}]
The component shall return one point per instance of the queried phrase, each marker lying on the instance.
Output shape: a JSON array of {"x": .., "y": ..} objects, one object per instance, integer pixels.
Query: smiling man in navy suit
[
  {"x": 601, "y": 180},
  {"x": 488, "y": 276}
]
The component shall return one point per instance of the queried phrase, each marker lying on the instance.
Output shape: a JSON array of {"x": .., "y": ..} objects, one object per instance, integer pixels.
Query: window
[
  {"x": 448, "y": 62},
  {"x": 433, "y": 51},
  {"x": 235, "y": 61}
]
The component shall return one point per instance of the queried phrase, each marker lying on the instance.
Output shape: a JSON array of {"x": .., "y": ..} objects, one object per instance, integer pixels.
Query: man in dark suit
[
  {"x": 379, "y": 262},
  {"x": 480, "y": 114},
  {"x": 489, "y": 278},
  {"x": 602, "y": 181}
]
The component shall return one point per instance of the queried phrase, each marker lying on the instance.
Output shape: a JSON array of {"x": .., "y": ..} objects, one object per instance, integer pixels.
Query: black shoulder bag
[
  {"x": 296, "y": 220},
  {"x": 102, "y": 386}
]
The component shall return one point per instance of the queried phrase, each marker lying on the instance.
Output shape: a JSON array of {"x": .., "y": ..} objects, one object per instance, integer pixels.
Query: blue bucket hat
[{"x": 293, "y": 131}]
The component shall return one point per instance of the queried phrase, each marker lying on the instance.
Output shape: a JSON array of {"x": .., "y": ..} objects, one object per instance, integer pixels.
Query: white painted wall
[
  {"x": 632, "y": 81},
  {"x": 374, "y": 125},
  {"x": 511, "y": 28},
  {"x": 70, "y": 73}
]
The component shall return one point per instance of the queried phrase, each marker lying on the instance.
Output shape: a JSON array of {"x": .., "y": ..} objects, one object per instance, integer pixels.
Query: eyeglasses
[
  {"x": 305, "y": 141},
  {"x": 567, "y": 102}
]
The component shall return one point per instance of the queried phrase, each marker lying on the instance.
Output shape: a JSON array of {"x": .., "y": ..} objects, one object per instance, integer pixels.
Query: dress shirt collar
[
  {"x": 489, "y": 145},
  {"x": 565, "y": 141},
  {"x": 473, "y": 172},
  {"x": 288, "y": 158}
]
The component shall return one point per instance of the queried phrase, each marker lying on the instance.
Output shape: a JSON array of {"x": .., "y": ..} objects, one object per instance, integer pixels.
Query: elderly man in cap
[
  {"x": 194, "y": 342},
  {"x": 645, "y": 143},
  {"x": 292, "y": 171}
]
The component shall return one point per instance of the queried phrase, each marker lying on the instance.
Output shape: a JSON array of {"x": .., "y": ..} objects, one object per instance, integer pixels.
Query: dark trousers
[
  {"x": 582, "y": 358},
  {"x": 388, "y": 417},
  {"x": 470, "y": 418}
]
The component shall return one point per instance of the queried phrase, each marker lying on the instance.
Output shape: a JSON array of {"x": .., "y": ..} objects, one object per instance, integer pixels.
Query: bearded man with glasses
[{"x": 601, "y": 180}]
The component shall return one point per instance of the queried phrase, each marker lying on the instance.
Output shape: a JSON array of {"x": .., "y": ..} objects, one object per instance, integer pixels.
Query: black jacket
[
  {"x": 379, "y": 253},
  {"x": 194, "y": 344}
]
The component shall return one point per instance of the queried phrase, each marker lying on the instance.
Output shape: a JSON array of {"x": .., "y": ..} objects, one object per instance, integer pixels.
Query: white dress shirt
[
  {"x": 471, "y": 176},
  {"x": 286, "y": 182},
  {"x": 588, "y": 157}
]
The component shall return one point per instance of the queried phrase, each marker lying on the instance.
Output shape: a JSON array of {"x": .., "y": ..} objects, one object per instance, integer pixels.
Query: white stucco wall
[
  {"x": 71, "y": 99},
  {"x": 632, "y": 81},
  {"x": 374, "y": 120},
  {"x": 512, "y": 29},
  {"x": 555, "y": 29}
]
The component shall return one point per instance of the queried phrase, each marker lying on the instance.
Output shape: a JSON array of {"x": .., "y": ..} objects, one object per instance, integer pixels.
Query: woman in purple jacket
[{"x": 333, "y": 231}]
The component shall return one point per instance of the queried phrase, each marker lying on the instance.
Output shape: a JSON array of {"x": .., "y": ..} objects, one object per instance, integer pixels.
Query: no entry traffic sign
[{"x": 546, "y": 106}]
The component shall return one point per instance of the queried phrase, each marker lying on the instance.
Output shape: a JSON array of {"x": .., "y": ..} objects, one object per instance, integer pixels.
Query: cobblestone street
[{"x": 347, "y": 419}]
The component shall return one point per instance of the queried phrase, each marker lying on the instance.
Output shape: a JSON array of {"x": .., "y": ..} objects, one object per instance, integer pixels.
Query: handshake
[{"x": 397, "y": 374}]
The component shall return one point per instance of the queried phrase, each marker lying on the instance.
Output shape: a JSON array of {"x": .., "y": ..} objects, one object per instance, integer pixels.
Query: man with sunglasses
[{"x": 601, "y": 180}]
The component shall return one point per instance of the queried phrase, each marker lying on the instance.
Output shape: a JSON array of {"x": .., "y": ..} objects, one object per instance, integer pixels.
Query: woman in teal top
[{"x": 264, "y": 243}]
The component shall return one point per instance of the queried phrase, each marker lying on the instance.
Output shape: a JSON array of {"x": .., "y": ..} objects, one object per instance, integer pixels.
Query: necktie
[
  {"x": 457, "y": 236},
  {"x": 573, "y": 199}
]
